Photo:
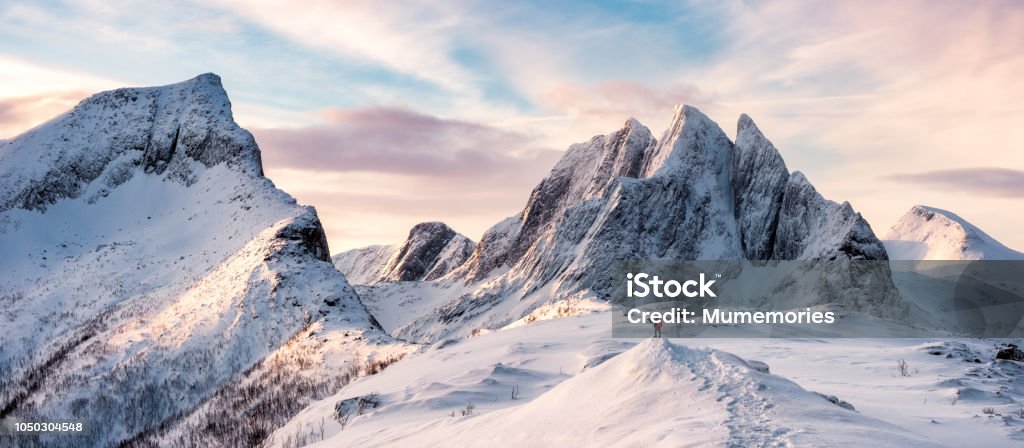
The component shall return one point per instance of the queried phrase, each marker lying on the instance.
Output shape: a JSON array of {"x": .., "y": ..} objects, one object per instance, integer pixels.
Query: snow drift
[
  {"x": 586, "y": 391},
  {"x": 662, "y": 394}
]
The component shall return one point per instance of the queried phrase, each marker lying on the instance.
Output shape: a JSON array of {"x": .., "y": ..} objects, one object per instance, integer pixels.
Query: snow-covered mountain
[
  {"x": 692, "y": 195},
  {"x": 430, "y": 252},
  {"x": 929, "y": 233},
  {"x": 152, "y": 274},
  {"x": 159, "y": 287}
]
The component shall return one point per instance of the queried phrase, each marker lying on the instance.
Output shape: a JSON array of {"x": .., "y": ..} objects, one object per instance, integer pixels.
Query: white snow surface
[
  {"x": 929, "y": 233},
  {"x": 578, "y": 386}
]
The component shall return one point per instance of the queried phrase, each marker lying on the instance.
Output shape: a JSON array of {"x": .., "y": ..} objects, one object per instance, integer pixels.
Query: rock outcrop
[{"x": 430, "y": 252}]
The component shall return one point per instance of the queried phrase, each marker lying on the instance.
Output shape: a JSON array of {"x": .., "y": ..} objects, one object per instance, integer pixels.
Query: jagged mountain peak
[
  {"x": 930, "y": 233},
  {"x": 798, "y": 178},
  {"x": 431, "y": 251},
  {"x": 417, "y": 255},
  {"x": 633, "y": 122},
  {"x": 812, "y": 227},
  {"x": 691, "y": 140},
  {"x": 747, "y": 132},
  {"x": 745, "y": 121},
  {"x": 692, "y": 195},
  {"x": 759, "y": 181},
  {"x": 175, "y": 131},
  {"x": 584, "y": 173},
  {"x": 741, "y": 191},
  {"x": 746, "y": 124},
  {"x": 428, "y": 228},
  {"x": 683, "y": 113}
]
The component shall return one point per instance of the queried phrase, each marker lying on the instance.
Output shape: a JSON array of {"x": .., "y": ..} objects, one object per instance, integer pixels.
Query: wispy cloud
[
  {"x": 21, "y": 78},
  {"x": 851, "y": 90},
  {"x": 400, "y": 141},
  {"x": 375, "y": 172},
  {"x": 409, "y": 38},
  {"x": 20, "y": 113},
  {"x": 846, "y": 90},
  {"x": 616, "y": 99},
  {"x": 31, "y": 94},
  {"x": 990, "y": 181}
]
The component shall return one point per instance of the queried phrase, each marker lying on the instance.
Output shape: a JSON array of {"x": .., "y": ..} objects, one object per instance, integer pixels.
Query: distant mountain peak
[
  {"x": 416, "y": 257},
  {"x": 930, "y": 233},
  {"x": 928, "y": 213},
  {"x": 431, "y": 251}
]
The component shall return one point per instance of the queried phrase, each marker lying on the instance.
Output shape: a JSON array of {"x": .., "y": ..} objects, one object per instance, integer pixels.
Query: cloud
[
  {"x": 842, "y": 89},
  {"x": 18, "y": 114},
  {"x": 989, "y": 181},
  {"x": 21, "y": 78},
  {"x": 620, "y": 98},
  {"x": 848, "y": 91},
  {"x": 375, "y": 172},
  {"x": 397, "y": 141},
  {"x": 579, "y": 62},
  {"x": 409, "y": 39},
  {"x": 31, "y": 93}
]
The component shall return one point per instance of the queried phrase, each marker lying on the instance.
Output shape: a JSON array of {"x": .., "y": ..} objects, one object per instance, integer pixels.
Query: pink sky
[{"x": 384, "y": 116}]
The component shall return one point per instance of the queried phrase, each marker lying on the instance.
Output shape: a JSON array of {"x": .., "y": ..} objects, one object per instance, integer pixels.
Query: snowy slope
[
  {"x": 577, "y": 386},
  {"x": 652, "y": 381},
  {"x": 692, "y": 195},
  {"x": 928, "y": 233},
  {"x": 149, "y": 266},
  {"x": 430, "y": 252},
  {"x": 955, "y": 393},
  {"x": 363, "y": 266}
]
